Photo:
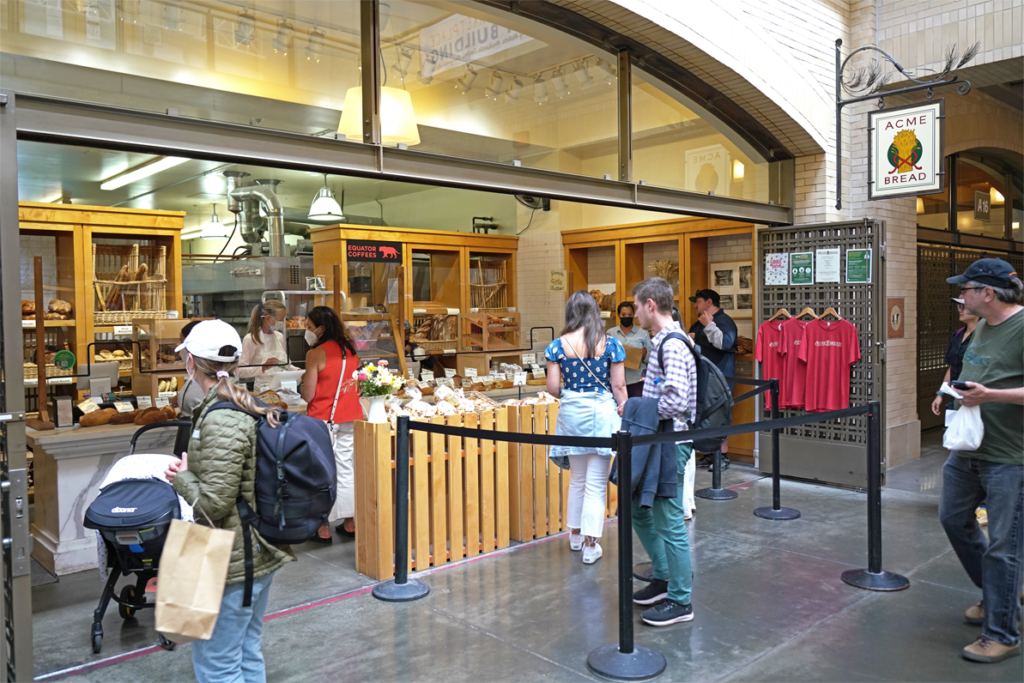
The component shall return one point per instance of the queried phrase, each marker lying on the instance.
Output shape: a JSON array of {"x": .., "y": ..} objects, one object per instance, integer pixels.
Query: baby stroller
[{"x": 132, "y": 516}]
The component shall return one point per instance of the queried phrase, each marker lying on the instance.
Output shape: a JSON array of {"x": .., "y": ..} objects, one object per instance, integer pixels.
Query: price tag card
[
  {"x": 122, "y": 329},
  {"x": 412, "y": 375},
  {"x": 470, "y": 372},
  {"x": 534, "y": 367},
  {"x": 144, "y": 402},
  {"x": 162, "y": 402},
  {"x": 449, "y": 352},
  {"x": 538, "y": 373},
  {"x": 446, "y": 382},
  {"x": 487, "y": 379},
  {"x": 529, "y": 358},
  {"x": 88, "y": 406},
  {"x": 123, "y": 406},
  {"x": 450, "y": 372},
  {"x": 28, "y": 323},
  {"x": 519, "y": 379},
  {"x": 426, "y": 375},
  {"x": 423, "y": 385}
]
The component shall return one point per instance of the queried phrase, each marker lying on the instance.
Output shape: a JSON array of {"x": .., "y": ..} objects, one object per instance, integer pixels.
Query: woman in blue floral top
[{"x": 586, "y": 369}]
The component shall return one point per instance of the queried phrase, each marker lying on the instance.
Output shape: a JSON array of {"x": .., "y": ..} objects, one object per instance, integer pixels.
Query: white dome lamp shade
[
  {"x": 325, "y": 207},
  {"x": 213, "y": 229},
  {"x": 397, "y": 118},
  {"x": 540, "y": 90}
]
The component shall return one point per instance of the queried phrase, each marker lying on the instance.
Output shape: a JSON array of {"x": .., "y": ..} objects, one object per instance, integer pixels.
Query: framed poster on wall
[{"x": 733, "y": 280}]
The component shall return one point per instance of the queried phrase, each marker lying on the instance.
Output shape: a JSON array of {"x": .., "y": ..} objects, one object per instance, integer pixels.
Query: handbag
[{"x": 193, "y": 569}]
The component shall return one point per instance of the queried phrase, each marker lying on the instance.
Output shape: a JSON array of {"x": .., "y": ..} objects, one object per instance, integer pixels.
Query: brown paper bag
[
  {"x": 634, "y": 357},
  {"x": 193, "y": 569}
]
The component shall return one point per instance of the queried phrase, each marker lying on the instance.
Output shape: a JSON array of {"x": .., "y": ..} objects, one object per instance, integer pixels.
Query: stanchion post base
[
  {"x": 642, "y": 664},
  {"x": 716, "y": 494},
  {"x": 883, "y": 581},
  {"x": 781, "y": 514},
  {"x": 643, "y": 571},
  {"x": 389, "y": 591}
]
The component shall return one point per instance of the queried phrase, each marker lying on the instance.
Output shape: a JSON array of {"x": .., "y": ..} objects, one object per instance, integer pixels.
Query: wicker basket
[
  {"x": 32, "y": 372},
  {"x": 438, "y": 346},
  {"x": 129, "y": 282}
]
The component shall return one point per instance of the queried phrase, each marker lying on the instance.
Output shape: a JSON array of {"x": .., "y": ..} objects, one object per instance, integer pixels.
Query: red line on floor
[{"x": 101, "y": 664}]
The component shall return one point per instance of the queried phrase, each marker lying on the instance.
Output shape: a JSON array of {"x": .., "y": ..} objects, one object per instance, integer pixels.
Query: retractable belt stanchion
[
  {"x": 776, "y": 511},
  {"x": 400, "y": 588},
  {"x": 626, "y": 661},
  {"x": 874, "y": 578},
  {"x": 716, "y": 492}
]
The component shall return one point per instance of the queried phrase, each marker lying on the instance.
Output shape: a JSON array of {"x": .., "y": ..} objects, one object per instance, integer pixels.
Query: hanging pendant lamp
[
  {"x": 325, "y": 207},
  {"x": 213, "y": 229}
]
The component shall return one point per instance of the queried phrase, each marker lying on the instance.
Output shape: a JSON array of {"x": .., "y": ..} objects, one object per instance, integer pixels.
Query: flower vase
[{"x": 377, "y": 413}]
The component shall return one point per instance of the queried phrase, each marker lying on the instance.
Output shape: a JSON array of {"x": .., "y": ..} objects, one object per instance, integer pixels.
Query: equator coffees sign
[{"x": 905, "y": 156}]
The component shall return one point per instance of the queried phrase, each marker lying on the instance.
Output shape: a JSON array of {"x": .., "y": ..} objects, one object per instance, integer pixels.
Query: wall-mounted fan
[{"x": 534, "y": 202}]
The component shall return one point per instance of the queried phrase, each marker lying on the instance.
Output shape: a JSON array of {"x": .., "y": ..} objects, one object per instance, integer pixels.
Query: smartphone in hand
[{"x": 960, "y": 386}]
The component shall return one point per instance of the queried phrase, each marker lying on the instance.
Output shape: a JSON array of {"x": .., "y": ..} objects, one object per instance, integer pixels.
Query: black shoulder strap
[
  {"x": 246, "y": 514},
  {"x": 686, "y": 343}
]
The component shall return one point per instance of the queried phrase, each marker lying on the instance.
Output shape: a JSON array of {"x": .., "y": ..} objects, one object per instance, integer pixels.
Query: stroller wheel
[
  {"x": 166, "y": 644},
  {"x": 127, "y": 596},
  {"x": 97, "y": 643}
]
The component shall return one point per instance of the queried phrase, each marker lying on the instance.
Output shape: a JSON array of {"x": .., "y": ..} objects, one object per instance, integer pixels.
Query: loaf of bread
[
  {"x": 124, "y": 418},
  {"x": 169, "y": 413},
  {"x": 118, "y": 354},
  {"x": 105, "y": 355},
  {"x": 97, "y": 417},
  {"x": 52, "y": 315},
  {"x": 149, "y": 416},
  {"x": 60, "y": 306},
  {"x": 28, "y": 306}
]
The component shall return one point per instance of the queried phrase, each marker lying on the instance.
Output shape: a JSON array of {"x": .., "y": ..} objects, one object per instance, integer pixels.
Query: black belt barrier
[{"x": 626, "y": 661}]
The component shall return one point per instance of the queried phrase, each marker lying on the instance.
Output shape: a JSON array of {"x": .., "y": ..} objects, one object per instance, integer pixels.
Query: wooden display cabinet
[
  {"x": 158, "y": 362},
  {"x": 376, "y": 338},
  {"x": 69, "y": 231},
  {"x": 489, "y": 337},
  {"x": 636, "y": 250}
]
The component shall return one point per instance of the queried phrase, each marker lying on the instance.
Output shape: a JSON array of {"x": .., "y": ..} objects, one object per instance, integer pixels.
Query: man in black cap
[
  {"x": 993, "y": 370},
  {"x": 715, "y": 333}
]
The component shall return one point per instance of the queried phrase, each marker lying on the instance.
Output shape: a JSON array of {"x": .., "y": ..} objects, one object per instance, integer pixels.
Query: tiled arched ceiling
[{"x": 764, "y": 90}]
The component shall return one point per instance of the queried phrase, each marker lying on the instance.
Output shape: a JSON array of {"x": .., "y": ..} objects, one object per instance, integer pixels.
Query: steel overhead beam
[{"x": 54, "y": 120}]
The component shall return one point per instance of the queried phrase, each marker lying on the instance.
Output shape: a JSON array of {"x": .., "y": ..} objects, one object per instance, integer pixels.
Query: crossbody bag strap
[
  {"x": 584, "y": 361},
  {"x": 337, "y": 393},
  {"x": 246, "y": 514}
]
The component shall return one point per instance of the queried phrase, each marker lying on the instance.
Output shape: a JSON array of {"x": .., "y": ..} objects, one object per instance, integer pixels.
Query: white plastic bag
[{"x": 966, "y": 430}]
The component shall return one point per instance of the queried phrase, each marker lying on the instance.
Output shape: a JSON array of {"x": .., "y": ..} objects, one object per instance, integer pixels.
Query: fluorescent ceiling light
[{"x": 141, "y": 171}]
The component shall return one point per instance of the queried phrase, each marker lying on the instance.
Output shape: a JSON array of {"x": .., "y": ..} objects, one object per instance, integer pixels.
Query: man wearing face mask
[
  {"x": 191, "y": 394},
  {"x": 263, "y": 348},
  {"x": 629, "y": 334}
]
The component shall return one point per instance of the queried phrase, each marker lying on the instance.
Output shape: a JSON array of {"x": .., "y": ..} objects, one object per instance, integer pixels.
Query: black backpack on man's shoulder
[{"x": 714, "y": 395}]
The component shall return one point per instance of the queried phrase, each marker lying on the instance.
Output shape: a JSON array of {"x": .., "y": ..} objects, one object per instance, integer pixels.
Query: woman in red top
[{"x": 329, "y": 367}]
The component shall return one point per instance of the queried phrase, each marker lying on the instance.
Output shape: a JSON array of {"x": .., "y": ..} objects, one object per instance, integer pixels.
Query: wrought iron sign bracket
[{"x": 871, "y": 80}]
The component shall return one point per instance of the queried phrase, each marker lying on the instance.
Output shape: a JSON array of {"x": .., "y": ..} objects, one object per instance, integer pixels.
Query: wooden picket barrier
[
  {"x": 539, "y": 489},
  {"x": 458, "y": 494}
]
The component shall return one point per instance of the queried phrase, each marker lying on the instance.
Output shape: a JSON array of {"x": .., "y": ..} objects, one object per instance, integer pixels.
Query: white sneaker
[
  {"x": 592, "y": 553},
  {"x": 575, "y": 541}
]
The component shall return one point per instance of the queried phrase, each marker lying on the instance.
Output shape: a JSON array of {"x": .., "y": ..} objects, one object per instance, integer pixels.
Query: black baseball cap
[
  {"x": 709, "y": 294},
  {"x": 993, "y": 272}
]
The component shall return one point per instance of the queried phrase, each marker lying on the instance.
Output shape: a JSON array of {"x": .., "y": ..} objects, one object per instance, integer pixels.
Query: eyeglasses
[{"x": 964, "y": 289}]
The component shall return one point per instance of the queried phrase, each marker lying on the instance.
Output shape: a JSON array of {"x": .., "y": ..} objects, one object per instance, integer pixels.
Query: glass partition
[
  {"x": 679, "y": 146},
  {"x": 486, "y": 84},
  {"x": 974, "y": 177}
]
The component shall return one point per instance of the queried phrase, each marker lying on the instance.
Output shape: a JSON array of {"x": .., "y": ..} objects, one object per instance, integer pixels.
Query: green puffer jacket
[{"x": 222, "y": 461}]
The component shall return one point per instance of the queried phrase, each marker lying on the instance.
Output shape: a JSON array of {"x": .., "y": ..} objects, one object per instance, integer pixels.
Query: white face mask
[
  {"x": 277, "y": 326},
  {"x": 190, "y": 372},
  {"x": 311, "y": 337}
]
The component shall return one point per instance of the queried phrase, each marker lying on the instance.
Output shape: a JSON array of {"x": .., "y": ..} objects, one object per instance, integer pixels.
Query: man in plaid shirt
[{"x": 661, "y": 529}]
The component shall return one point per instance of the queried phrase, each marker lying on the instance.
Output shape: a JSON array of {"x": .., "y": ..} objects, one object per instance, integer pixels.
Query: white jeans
[
  {"x": 689, "y": 501},
  {"x": 342, "y": 436},
  {"x": 588, "y": 483}
]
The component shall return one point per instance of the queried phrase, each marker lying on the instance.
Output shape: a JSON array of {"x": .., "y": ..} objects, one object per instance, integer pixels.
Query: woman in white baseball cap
[{"x": 220, "y": 465}]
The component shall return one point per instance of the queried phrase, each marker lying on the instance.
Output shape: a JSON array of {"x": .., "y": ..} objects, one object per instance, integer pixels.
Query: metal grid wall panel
[{"x": 858, "y": 303}]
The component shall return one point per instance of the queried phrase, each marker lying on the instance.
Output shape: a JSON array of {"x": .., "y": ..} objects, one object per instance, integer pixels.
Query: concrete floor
[{"x": 768, "y": 602}]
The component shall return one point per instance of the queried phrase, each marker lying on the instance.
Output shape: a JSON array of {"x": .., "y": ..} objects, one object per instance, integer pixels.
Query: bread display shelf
[{"x": 130, "y": 282}]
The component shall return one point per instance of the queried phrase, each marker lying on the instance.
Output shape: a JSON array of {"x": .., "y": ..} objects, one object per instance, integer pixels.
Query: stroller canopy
[{"x": 133, "y": 503}]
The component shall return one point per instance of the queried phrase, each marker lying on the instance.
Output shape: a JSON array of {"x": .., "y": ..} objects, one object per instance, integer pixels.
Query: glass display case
[
  {"x": 160, "y": 371},
  {"x": 373, "y": 286},
  {"x": 376, "y": 338}
]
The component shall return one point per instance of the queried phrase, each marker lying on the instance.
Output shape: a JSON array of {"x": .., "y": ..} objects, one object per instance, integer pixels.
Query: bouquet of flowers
[{"x": 376, "y": 380}]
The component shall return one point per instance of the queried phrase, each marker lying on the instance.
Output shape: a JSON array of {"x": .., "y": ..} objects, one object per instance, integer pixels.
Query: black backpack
[
  {"x": 296, "y": 481},
  {"x": 714, "y": 395}
]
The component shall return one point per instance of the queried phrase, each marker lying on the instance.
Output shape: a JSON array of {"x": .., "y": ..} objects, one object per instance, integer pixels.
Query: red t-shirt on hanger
[
  {"x": 829, "y": 349},
  {"x": 793, "y": 371},
  {"x": 766, "y": 350}
]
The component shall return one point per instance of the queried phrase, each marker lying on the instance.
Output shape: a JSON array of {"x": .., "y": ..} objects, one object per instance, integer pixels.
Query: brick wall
[{"x": 729, "y": 248}]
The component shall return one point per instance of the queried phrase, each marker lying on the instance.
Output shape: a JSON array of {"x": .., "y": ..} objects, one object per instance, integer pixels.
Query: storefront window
[
  {"x": 677, "y": 146},
  {"x": 488, "y": 85},
  {"x": 219, "y": 60},
  {"x": 976, "y": 179},
  {"x": 933, "y": 209}
]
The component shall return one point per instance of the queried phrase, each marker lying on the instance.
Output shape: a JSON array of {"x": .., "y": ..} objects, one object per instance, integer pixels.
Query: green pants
[{"x": 662, "y": 532}]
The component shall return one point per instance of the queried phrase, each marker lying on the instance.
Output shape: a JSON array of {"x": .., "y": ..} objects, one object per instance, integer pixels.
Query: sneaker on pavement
[
  {"x": 990, "y": 651},
  {"x": 575, "y": 541},
  {"x": 655, "y": 591},
  {"x": 975, "y": 614},
  {"x": 667, "y": 612},
  {"x": 982, "y": 515},
  {"x": 725, "y": 465},
  {"x": 705, "y": 461},
  {"x": 592, "y": 553}
]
